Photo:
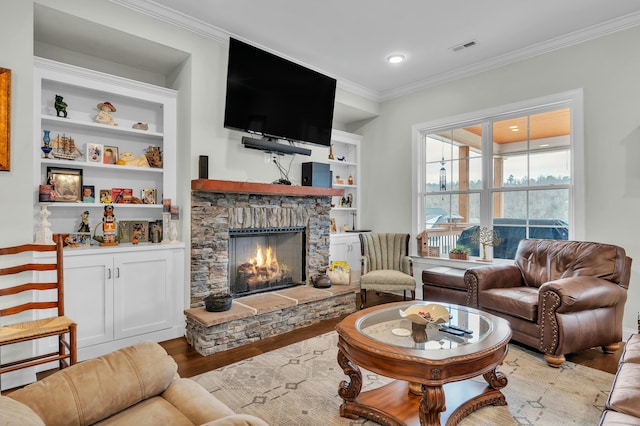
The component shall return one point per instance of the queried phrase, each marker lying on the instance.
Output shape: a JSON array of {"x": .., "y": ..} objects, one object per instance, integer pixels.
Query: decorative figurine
[
  {"x": 64, "y": 148},
  {"x": 128, "y": 159},
  {"x": 46, "y": 140},
  {"x": 61, "y": 107},
  {"x": 109, "y": 228},
  {"x": 84, "y": 225},
  {"x": 331, "y": 152},
  {"x": 140, "y": 126},
  {"x": 104, "y": 116},
  {"x": 154, "y": 156}
]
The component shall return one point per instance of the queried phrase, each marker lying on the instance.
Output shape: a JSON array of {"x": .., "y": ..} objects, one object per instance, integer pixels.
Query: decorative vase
[
  {"x": 218, "y": 302},
  {"x": 46, "y": 139}
]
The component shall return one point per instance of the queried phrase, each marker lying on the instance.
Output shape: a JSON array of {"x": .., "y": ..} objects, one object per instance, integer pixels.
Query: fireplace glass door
[{"x": 267, "y": 259}]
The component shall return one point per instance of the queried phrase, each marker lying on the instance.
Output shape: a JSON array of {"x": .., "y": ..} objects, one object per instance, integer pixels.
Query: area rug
[{"x": 298, "y": 386}]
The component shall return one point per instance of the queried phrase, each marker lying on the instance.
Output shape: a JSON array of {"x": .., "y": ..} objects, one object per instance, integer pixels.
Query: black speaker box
[
  {"x": 316, "y": 174},
  {"x": 203, "y": 167}
]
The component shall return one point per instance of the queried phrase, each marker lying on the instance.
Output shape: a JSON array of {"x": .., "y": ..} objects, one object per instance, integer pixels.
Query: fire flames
[{"x": 264, "y": 267}]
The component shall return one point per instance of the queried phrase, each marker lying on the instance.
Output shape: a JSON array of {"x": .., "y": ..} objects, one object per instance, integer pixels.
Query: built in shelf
[{"x": 262, "y": 188}]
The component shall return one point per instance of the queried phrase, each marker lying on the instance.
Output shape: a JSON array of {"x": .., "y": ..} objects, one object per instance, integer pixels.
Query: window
[{"x": 516, "y": 170}]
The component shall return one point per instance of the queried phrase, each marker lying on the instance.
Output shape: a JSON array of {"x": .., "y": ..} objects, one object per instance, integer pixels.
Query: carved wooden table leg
[
  {"x": 348, "y": 390},
  {"x": 431, "y": 405},
  {"x": 495, "y": 379}
]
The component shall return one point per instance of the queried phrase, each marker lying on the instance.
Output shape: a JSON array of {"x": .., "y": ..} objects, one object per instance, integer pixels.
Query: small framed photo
[
  {"x": 166, "y": 205},
  {"x": 124, "y": 231},
  {"x": 94, "y": 152},
  {"x": 148, "y": 196},
  {"x": 110, "y": 154},
  {"x": 67, "y": 184},
  {"x": 140, "y": 230},
  {"x": 88, "y": 194},
  {"x": 105, "y": 196}
]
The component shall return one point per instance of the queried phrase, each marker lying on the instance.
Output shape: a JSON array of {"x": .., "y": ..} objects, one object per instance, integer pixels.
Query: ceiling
[{"x": 350, "y": 40}]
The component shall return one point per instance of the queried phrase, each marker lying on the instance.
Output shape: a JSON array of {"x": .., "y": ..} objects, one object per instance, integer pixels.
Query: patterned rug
[{"x": 297, "y": 386}]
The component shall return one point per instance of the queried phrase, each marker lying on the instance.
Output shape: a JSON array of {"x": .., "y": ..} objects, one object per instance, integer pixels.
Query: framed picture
[
  {"x": 110, "y": 154},
  {"x": 105, "y": 196},
  {"x": 148, "y": 196},
  {"x": 5, "y": 118},
  {"x": 94, "y": 152},
  {"x": 140, "y": 229},
  {"x": 88, "y": 194},
  {"x": 125, "y": 231},
  {"x": 67, "y": 184}
]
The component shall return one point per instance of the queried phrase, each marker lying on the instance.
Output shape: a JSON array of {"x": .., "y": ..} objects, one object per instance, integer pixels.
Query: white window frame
[{"x": 572, "y": 99}]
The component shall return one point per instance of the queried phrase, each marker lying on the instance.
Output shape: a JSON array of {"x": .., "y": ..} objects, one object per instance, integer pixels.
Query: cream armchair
[{"x": 386, "y": 265}]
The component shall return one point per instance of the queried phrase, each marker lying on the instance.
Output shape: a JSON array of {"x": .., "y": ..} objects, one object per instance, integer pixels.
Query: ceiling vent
[{"x": 463, "y": 46}]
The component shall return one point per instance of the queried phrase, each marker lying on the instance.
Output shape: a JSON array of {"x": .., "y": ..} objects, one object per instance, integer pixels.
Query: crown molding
[
  {"x": 576, "y": 37},
  {"x": 171, "y": 16}
]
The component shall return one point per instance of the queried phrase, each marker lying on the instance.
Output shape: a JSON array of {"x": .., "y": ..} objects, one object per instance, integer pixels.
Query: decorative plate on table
[{"x": 426, "y": 314}]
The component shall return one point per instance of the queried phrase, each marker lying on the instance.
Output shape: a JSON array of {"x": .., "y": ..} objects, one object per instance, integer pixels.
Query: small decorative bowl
[{"x": 426, "y": 314}]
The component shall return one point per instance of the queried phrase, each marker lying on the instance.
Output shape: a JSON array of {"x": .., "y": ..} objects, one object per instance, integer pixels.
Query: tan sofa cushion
[
  {"x": 632, "y": 350},
  {"x": 625, "y": 392},
  {"x": 95, "y": 389},
  {"x": 14, "y": 413}
]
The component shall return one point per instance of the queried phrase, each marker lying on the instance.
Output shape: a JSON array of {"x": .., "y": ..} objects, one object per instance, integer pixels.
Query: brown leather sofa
[
  {"x": 137, "y": 385},
  {"x": 623, "y": 404},
  {"x": 559, "y": 296}
]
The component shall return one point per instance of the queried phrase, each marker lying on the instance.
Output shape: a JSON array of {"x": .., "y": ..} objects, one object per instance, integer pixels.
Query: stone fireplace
[{"x": 224, "y": 213}]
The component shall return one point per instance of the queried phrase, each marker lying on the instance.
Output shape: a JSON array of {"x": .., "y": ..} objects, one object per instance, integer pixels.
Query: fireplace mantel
[{"x": 262, "y": 188}]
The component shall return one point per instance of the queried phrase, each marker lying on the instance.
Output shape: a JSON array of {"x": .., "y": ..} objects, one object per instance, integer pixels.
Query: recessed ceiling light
[{"x": 395, "y": 59}]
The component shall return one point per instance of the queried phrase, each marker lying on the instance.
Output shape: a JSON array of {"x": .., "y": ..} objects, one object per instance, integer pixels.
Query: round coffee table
[{"x": 431, "y": 373}]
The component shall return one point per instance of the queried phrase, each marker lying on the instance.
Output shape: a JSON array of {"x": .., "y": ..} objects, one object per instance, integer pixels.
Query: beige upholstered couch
[{"x": 137, "y": 385}]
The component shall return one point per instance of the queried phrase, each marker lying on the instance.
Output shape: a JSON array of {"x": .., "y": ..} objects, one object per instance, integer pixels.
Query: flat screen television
[{"x": 276, "y": 98}]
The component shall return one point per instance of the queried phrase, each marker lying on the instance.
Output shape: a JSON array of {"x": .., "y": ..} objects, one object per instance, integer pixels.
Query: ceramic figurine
[
  {"x": 84, "y": 224},
  {"x": 104, "y": 116},
  {"x": 61, "y": 107}
]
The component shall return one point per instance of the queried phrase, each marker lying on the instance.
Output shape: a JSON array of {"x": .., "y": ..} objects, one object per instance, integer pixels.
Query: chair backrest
[
  {"x": 384, "y": 251},
  {"x": 545, "y": 260},
  {"x": 20, "y": 277}
]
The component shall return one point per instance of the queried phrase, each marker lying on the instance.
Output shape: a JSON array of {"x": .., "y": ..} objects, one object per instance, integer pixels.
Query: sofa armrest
[
  {"x": 479, "y": 278},
  {"x": 576, "y": 294},
  {"x": 238, "y": 420},
  {"x": 13, "y": 412},
  {"x": 364, "y": 264},
  {"x": 406, "y": 265}
]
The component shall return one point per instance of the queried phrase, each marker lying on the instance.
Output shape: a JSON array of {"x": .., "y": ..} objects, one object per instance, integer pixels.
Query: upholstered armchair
[
  {"x": 559, "y": 296},
  {"x": 386, "y": 265}
]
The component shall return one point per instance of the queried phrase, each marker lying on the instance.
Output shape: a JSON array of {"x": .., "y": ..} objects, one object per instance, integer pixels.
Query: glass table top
[{"x": 389, "y": 327}]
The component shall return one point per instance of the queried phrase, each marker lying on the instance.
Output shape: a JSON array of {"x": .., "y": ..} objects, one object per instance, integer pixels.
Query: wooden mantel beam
[{"x": 262, "y": 188}]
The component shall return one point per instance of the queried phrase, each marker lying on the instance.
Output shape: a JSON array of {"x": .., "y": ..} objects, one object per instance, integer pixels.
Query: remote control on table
[
  {"x": 452, "y": 331},
  {"x": 464, "y": 330}
]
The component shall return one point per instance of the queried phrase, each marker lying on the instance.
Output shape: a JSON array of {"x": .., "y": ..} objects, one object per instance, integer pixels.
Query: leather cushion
[
  {"x": 520, "y": 302},
  {"x": 442, "y": 276},
  {"x": 625, "y": 392},
  {"x": 618, "y": 419},
  {"x": 547, "y": 260},
  {"x": 632, "y": 350},
  {"x": 387, "y": 277},
  {"x": 16, "y": 413}
]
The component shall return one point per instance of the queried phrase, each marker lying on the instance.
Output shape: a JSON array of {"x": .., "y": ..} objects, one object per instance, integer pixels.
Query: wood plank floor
[{"x": 191, "y": 363}]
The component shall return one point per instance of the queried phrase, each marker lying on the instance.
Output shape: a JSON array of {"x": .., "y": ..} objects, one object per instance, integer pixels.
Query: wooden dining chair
[{"x": 22, "y": 276}]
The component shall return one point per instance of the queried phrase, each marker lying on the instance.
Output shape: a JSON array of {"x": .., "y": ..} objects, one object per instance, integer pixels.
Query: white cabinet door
[
  {"x": 142, "y": 291},
  {"x": 345, "y": 247},
  {"x": 88, "y": 285}
]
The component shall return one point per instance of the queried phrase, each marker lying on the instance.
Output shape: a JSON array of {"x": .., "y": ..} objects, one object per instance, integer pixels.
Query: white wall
[
  {"x": 609, "y": 74},
  {"x": 606, "y": 68}
]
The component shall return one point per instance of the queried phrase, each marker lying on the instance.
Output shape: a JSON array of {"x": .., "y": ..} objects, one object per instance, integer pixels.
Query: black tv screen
[{"x": 274, "y": 97}]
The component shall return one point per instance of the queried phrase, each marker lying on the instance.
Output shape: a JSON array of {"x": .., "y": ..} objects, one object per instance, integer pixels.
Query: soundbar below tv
[{"x": 273, "y": 146}]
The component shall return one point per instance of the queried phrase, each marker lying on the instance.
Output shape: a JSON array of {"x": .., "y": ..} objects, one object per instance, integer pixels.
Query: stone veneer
[{"x": 215, "y": 209}]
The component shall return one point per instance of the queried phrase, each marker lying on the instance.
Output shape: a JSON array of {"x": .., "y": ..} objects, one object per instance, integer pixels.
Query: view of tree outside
[{"x": 531, "y": 176}]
